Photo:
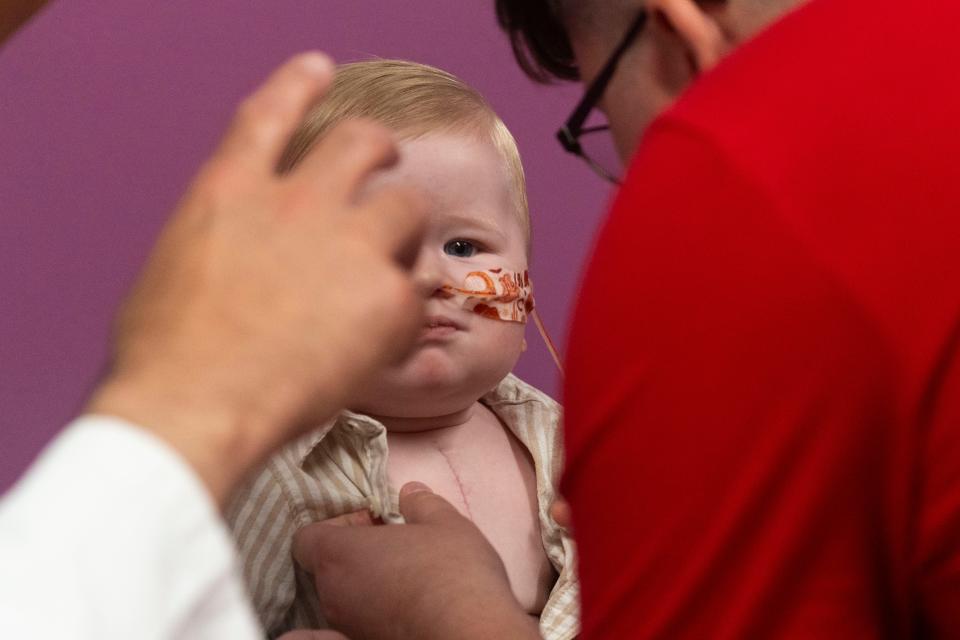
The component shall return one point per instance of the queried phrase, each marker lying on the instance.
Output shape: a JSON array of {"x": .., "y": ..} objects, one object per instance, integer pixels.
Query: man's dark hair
[{"x": 539, "y": 40}]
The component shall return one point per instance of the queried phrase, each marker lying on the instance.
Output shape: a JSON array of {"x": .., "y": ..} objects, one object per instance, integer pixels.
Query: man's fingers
[
  {"x": 344, "y": 159},
  {"x": 354, "y": 519},
  {"x": 305, "y": 543},
  {"x": 420, "y": 505},
  {"x": 311, "y": 634},
  {"x": 414, "y": 487},
  {"x": 306, "y": 539},
  {"x": 394, "y": 219},
  {"x": 266, "y": 119},
  {"x": 560, "y": 512}
]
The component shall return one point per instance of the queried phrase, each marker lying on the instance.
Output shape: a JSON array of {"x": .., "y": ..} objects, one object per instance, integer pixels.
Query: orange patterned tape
[{"x": 496, "y": 293}]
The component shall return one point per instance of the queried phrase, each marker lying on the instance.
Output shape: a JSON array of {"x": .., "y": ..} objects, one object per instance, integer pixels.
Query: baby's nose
[{"x": 429, "y": 278}]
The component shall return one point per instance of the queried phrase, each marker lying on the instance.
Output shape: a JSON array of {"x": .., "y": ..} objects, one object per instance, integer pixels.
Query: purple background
[{"x": 107, "y": 107}]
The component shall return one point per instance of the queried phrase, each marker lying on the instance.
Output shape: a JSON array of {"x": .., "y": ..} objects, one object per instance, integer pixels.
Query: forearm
[{"x": 221, "y": 438}]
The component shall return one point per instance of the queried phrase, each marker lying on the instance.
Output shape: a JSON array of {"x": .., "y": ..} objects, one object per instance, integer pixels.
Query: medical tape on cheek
[
  {"x": 500, "y": 294},
  {"x": 497, "y": 294}
]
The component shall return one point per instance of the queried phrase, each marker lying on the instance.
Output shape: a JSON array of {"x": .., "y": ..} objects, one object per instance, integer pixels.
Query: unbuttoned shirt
[{"x": 342, "y": 467}]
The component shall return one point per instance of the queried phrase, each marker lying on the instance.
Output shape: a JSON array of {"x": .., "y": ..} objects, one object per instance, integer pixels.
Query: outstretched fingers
[
  {"x": 267, "y": 118},
  {"x": 344, "y": 159},
  {"x": 393, "y": 219}
]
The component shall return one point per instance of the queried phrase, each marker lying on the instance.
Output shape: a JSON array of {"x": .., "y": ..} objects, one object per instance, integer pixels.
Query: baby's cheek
[
  {"x": 458, "y": 270},
  {"x": 507, "y": 336}
]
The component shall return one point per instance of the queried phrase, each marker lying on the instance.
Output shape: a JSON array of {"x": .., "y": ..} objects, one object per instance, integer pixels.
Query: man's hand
[
  {"x": 560, "y": 512},
  {"x": 268, "y": 299},
  {"x": 14, "y": 13},
  {"x": 434, "y": 577}
]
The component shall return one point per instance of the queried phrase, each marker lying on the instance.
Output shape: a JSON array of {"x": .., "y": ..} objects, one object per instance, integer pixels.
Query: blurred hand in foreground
[{"x": 268, "y": 299}]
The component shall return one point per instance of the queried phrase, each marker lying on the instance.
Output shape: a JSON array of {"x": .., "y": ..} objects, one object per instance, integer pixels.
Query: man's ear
[{"x": 699, "y": 31}]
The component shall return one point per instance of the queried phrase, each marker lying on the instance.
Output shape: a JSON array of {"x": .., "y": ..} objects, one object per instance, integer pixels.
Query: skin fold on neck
[{"x": 428, "y": 423}]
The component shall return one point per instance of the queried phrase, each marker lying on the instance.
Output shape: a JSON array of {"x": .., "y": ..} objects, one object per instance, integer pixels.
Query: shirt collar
[{"x": 503, "y": 400}]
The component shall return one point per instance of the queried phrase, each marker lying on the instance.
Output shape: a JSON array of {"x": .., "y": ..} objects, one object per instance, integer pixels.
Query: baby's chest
[{"x": 491, "y": 480}]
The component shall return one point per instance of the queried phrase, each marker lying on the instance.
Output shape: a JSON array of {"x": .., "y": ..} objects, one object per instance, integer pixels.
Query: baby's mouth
[{"x": 437, "y": 327}]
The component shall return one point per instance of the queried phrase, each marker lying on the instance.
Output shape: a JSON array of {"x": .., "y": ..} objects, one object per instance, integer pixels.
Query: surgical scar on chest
[{"x": 458, "y": 480}]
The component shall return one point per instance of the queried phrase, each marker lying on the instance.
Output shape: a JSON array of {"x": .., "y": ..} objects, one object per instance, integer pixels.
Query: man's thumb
[{"x": 419, "y": 504}]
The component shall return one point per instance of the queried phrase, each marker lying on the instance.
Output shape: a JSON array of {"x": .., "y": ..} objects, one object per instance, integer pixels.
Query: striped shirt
[{"x": 342, "y": 467}]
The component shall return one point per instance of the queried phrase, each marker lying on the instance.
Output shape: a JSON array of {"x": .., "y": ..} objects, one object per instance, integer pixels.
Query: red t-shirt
[{"x": 763, "y": 397}]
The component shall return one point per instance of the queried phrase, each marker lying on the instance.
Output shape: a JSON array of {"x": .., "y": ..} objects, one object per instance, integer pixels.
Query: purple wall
[{"x": 108, "y": 106}]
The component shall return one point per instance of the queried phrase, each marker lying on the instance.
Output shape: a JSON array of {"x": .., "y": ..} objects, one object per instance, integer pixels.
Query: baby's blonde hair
[{"x": 412, "y": 100}]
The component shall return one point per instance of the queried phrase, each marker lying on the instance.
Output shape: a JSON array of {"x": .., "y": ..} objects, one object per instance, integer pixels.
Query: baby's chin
[{"x": 430, "y": 383}]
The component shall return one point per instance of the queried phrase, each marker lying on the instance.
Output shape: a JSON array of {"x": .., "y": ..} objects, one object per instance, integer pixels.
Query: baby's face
[{"x": 472, "y": 226}]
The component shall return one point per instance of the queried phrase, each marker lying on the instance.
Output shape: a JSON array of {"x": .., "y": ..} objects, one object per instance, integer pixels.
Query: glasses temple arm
[{"x": 599, "y": 84}]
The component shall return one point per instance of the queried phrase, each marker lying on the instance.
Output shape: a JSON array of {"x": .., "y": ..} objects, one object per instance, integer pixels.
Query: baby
[{"x": 451, "y": 415}]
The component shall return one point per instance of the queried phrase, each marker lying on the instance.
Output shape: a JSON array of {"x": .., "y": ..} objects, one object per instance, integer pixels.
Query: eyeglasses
[{"x": 574, "y": 136}]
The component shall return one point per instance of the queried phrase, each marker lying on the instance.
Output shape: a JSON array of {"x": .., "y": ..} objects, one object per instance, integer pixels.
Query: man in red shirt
[{"x": 763, "y": 400}]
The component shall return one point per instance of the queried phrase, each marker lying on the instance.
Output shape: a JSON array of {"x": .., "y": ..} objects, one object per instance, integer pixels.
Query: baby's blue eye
[{"x": 460, "y": 249}]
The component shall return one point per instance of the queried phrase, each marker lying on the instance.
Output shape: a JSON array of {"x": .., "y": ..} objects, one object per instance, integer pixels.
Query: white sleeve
[{"x": 110, "y": 534}]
